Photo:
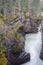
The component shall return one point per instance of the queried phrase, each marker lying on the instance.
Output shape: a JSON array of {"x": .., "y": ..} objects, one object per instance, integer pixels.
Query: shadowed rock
[
  {"x": 41, "y": 53},
  {"x": 14, "y": 37}
]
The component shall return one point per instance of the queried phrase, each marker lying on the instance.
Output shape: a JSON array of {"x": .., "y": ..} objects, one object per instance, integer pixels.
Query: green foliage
[
  {"x": 18, "y": 36},
  {"x": 3, "y": 60},
  {"x": 2, "y": 46},
  {"x": 33, "y": 6},
  {"x": 24, "y": 5}
]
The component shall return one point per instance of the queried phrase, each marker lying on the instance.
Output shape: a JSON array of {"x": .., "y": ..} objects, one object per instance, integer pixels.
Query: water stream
[{"x": 33, "y": 45}]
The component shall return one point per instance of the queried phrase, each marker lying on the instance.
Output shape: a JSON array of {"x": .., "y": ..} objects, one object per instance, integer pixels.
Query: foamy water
[{"x": 33, "y": 45}]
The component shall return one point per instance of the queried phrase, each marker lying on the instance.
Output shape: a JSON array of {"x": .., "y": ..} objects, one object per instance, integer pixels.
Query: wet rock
[
  {"x": 18, "y": 58},
  {"x": 15, "y": 40},
  {"x": 41, "y": 53},
  {"x": 30, "y": 26}
]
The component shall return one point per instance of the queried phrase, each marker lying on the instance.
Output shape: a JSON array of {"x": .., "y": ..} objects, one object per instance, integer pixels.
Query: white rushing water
[{"x": 33, "y": 45}]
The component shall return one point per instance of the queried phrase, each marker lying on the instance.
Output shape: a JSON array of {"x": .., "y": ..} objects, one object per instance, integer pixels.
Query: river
[{"x": 33, "y": 45}]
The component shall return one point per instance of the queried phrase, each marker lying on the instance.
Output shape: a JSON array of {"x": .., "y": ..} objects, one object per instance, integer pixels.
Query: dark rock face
[
  {"x": 16, "y": 51},
  {"x": 30, "y": 26},
  {"x": 27, "y": 25},
  {"x": 38, "y": 22},
  {"x": 15, "y": 41},
  {"x": 18, "y": 58},
  {"x": 41, "y": 53},
  {"x": 16, "y": 54}
]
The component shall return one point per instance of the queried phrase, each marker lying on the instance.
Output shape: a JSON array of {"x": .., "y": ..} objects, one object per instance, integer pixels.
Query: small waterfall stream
[{"x": 33, "y": 45}]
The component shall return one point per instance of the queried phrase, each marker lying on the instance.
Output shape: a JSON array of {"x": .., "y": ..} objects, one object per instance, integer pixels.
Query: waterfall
[{"x": 33, "y": 45}]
